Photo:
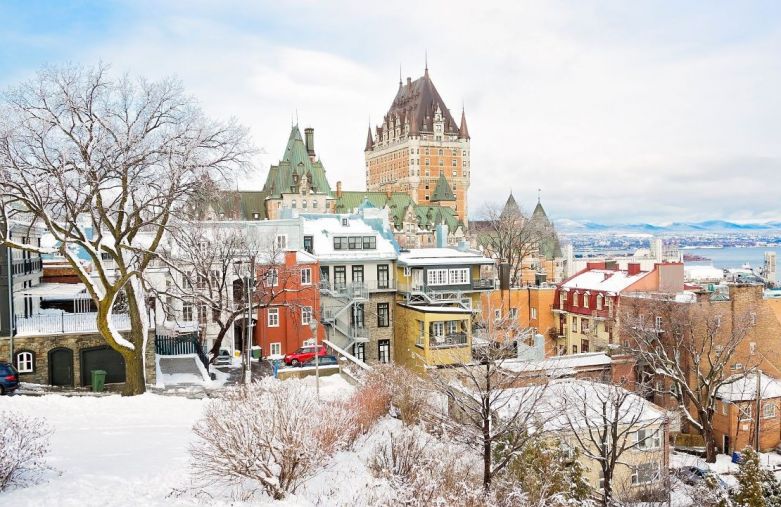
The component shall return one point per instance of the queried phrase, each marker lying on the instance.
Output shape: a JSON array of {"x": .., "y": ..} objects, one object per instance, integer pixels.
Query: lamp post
[
  {"x": 313, "y": 327},
  {"x": 249, "y": 281}
]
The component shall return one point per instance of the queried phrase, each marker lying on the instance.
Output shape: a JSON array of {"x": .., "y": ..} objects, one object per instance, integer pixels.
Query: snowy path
[{"x": 110, "y": 450}]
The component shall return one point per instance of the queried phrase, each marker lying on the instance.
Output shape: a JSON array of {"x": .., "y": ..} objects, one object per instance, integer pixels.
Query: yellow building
[{"x": 438, "y": 293}]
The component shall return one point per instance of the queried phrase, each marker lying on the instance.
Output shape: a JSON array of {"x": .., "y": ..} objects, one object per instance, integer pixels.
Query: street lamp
[
  {"x": 313, "y": 327},
  {"x": 249, "y": 282}
]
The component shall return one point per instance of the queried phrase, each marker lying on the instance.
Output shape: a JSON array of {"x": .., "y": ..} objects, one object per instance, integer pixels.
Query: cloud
[{"x": 644, "y": 112}]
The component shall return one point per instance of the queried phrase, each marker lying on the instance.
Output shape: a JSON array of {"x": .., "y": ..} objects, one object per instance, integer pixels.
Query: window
[
  {"x": 744, "y": 413},
  {"x": 293, "y": 204},
  {"x": 584, "y": 326},
  {"x": 574, "y": 299},
  {"x": 272, "y": 317},
  {"x": 340, "y": 277},
  {"x": 574, "y": 349},
  {"x": 437, "y": 276},
  {"x": 658, "y": 323},
  {"x": 534, "y": 314},
  {"x": 586, "y": 297},
  {"x": 306, "y": 276},
  {"x": 724, "y": 408},
  {"x": 256, "y": 216},
  {"x": 203, "y": 314},
  {"x": 275, "y": 349},
  {"x": 584, "y": 346},
  {"x": 438, "y": 330},
  {"x": 345, "y": 222},
  {"x": 354, "y": 243},
  {"x": 562, "y": 299},
  {"x": 314, "y": 203},
  {"x": 717, "y": 321},
  {"x": 187, "y": 311},
  {"x": 513, "y": 313},
  {"x": 281, "y": 241},
  {"x": 497, "y": 315},
  {"x": 272, "y": 277},
  {"x": 309, "y": 244},
  {"x": 357, "y": 316},
  {"x": 645, "y": 473},
  {"x": 306, "y": 315},
  {"x": 383, "y": 315},
  {"x": 737, "y": 366},
  {"x": 752, "y": 348},
  {"x": 382, "y": 276},
  {"x": 25, "y": 362},
  {"x": 768, "y": 410},
  {"x": 359, "y": 351},
  {"x": 303, "y": 203},
  {"x": 574, "y": 324},
  {"x": 601, "y": 482},
  {"x": 340, "y": 243},
  {"x": 600, "y": 299},
  {"x": 383, "y": 347},
  {"x": 458, "y": 276},
  {"x": 421, "y": 334},
  {"x": 369, "y": 243},
  {"x": 648, "y": 439},
  {"x": 357, "y": 274},
  {"x": 753, "y": 318}
]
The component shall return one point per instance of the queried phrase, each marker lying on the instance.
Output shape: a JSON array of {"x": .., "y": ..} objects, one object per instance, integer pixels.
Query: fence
[
  {"x": 67, "y": 323},
  {"x": 180, "y": 345}
]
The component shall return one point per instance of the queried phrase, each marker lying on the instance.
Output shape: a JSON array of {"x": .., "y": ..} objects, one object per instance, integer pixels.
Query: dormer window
[
  {"x": 574, "y": 299},
  {"x": 345, "y": 222},
  {"x": 599, "y": 301},
  {"x": 585, "y": 299}
]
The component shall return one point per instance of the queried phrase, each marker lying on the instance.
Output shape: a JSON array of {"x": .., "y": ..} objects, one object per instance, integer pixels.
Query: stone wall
[
  {"x": 378, "y": 333},
  {"x": 41, "y": 345}
]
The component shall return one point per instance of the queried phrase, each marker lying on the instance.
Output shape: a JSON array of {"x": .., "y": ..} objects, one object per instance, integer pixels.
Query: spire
[
  {"x": 463, "y": 132},
  {"x": 400, "y": 84},
  {"x": 539, "y": 190},
  {"x": 442, "y": 192},
  {"x": 425, "y": 74},
  {"x": 369, "y": 140}
]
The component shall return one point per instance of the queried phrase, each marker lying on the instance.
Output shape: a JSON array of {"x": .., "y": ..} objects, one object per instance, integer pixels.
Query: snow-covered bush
[
  {"x": 425, "y": 470},
  {"x": 404, "y": 392},
  {"x": 24, "y": 444},
  {"x": 270, "y": 436}
]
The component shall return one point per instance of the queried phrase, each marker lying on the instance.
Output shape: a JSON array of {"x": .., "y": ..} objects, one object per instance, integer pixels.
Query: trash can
[
  {"x": 98, "y": 380},
  {"x": 256, "y": 352}
]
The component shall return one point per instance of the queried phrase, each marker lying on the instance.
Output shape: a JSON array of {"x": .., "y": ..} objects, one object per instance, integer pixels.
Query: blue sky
[{"x": 620, "y": 111}]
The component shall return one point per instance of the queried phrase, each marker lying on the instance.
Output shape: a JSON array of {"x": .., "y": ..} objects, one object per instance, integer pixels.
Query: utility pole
[
  {"x": 250, "y": 281},
  {"x": 313, "y": 327},
  {"x": 758, "y": 417}
]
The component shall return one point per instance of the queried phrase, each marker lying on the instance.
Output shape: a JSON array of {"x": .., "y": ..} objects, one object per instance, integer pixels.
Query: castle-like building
[{"x": 420, "y": 149}]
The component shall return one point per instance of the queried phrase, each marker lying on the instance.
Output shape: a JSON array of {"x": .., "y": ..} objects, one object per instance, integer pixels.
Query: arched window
[
  {"x": 574, "y": 299},
  {"x": 599, "y": 301},
  {"x": 25, "y": 361}
]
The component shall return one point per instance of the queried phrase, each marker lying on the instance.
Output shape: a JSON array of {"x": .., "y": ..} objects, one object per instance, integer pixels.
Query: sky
[{"x": 643, "y": 111}]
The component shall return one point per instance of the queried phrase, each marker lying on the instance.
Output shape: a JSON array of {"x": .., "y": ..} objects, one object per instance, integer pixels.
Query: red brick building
[{"x": 283, "y": 324}]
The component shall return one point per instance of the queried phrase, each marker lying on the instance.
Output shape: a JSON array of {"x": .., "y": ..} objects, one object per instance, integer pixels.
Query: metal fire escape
[{"x": 342, "y": 312}]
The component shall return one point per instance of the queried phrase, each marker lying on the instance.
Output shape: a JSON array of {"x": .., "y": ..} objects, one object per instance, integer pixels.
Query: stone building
[{"x": 417, "y": 143}]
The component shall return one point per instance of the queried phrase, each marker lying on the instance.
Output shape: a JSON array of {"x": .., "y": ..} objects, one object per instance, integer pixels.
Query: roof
[
  {"x": 463, "y": 132},
  {"x": 745, "y": 388},
  {"x": 441, "y": 256},
  {"x": 397, "y": 203},
  {"x": 416, "y": 103},
  {"x": 442, "y": 192},
  {"x": 323, "y": 229},
  {"x": 55, "y": 290},
  {"x": 437, "y": 309},
  {"x": 295, "y": 165},
  {"x": 558, "y": 412},
  {"x": 606, "y": 280},
  {"x": 560, "y": 364}
]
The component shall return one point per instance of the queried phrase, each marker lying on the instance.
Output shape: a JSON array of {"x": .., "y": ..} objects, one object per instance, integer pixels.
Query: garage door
[{"x": 102, "y": 358}]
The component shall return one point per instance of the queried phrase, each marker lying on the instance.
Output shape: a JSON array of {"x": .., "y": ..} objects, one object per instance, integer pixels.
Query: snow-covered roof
[
  {"x": 441, "y": 256},
  {"x": 569, "y": 403},
  {"x": 607, "y": 280},
  {"x": 438, "y": 309},
  {"x": 55, "y": 290},
  {"x": 745, "y": 388},
  {"x": 696, "y": 272},
  {"x": 560, "y": 364},
  {"x": 323, "y": 229}
]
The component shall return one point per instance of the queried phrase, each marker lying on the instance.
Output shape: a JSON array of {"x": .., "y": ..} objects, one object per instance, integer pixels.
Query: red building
[{"x": 289, "y": 300}]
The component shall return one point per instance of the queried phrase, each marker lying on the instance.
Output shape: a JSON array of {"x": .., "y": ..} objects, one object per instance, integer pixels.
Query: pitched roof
[
  {"x": 430, "y": 216},
  {"x": 416, "y": 102},
  {"x": 442, "y": 192},
  {"x": 369, "y": 141},
  {"x": 510, "y": 208},
  {"x": 463, "y": 132},
  {"x": 287, "y": 175},
  {"x": 397, "y": 204}
]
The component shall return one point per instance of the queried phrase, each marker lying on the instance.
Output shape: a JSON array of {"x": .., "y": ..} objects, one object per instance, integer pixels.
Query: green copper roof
[
  {"x": 397, "y": 204},
  {"x": 430, "y": 216},
  {"x": 295, "y": 165},
  {"x": 442, "y": 192},
  {"x": 242, "y": 205}
]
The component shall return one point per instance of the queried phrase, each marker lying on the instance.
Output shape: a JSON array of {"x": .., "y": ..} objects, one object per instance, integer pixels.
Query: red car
[{"x": 304, "y": 354}]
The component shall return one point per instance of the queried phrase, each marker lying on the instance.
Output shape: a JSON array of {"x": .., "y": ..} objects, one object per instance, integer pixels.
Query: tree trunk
[
  {"x": 215, "y": 350},
  {"x": 486, "y": 456},
  {"x": 134, "y": 372},
  {"x": 710, "y": 445}
]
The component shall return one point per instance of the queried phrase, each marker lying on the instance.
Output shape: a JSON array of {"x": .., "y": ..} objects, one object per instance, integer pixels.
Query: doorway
[{"x": 61, "y": 367}]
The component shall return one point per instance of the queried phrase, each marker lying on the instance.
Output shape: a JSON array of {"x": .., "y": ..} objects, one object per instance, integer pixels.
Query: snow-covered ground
[{"x": 115, "y": 451}]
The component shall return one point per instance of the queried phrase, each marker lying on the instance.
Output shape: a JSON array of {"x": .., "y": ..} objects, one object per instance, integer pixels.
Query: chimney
[
  {"x": 409, "y": 80},
  {"x": 633, "y": 268},
  {"x": 595, "y": 265},
  {"x": 309, "y": 135},
  {"x": 504, "y": 276},
  {"x": 338, "y": 189},
  {"x": 388, "y": 193}
]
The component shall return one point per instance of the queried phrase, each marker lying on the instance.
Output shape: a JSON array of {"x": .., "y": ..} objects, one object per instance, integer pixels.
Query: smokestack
[
  {"x": 309, "y": 136},
  {"x": 633, "y": 268},
  {"x": 338, "y": 189}
]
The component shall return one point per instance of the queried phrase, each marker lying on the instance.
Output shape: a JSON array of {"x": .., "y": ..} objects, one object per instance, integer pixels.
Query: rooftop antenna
[{"x": 296, "y": 116}]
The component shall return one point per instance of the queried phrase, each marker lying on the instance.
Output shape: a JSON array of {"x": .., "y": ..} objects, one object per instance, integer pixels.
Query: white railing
[{"x": 67, "y": 323}]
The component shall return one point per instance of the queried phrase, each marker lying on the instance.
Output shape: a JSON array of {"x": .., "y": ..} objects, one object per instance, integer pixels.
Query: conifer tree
[{"x": 750, "y": 480}]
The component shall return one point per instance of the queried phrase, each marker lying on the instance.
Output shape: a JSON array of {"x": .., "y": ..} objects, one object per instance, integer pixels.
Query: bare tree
[
  {"x": 508, "y": 235},
  {"x": 482, "y": 398},
  {"x": 104, "y": 165},
  {"x": 208, "y": 263},
  {"x": 608, "y": 422},
  {"x": 24, "y": 444},
  {"x": 689, "y": 348}
]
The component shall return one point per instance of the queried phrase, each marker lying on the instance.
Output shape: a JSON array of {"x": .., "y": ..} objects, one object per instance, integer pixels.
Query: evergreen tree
[{"x": 751, "y": 479}]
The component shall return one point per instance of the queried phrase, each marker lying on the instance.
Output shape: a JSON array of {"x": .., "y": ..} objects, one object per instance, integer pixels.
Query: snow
[
  {"x": 324, "y": 228},
  {"x": 441, "y": 256},
  {"x": 607, "y": 280},
  {"x": 745, "y": 388},
  {"x": 332, "y": 387},
  {"x": 560, "y": 364}
]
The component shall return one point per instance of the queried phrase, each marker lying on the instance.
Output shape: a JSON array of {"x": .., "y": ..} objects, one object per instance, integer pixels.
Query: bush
[
  {"x": 426, "y": 471},
  {"x": 270, "y": 435},
  {"x": 24, "y": 444},
  {"x": 400, "y": 390}
]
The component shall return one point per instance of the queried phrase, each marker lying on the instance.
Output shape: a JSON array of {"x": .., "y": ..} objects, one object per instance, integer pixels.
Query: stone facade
[
  {"x": 40, "y": 346},
  {"x": 377, "y": 333}
]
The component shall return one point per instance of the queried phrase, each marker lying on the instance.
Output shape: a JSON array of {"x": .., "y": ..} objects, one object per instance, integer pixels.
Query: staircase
[
  {"x": 339, "y": 309},
  {"x": 181, "y": 359}
]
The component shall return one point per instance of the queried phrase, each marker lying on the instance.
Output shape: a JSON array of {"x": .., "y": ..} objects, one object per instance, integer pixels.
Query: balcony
[
  {"x": 66, "y": 323},
  {"x": 448, "y": 340},
  {"x": 483, "y": 284},
  {"x": 352, "y": 290}
]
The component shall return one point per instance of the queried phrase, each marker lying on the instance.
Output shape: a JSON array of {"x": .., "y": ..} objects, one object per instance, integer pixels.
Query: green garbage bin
[
  {"x": 98, "y": 380},
  {"x": 256, "y": 352}
]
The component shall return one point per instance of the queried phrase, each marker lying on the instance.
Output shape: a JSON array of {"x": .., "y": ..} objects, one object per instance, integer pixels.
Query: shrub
[
  {"x": 402, "y": 391},
  {"x": 270, "y": 435},
  {"x": 24, "y": 444}
]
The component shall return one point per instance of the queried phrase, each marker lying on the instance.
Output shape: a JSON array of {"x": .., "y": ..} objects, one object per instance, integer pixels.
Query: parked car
[
  {"x": 692, "y": 475},
  {"x": 304, "y": 354},
  {"x": 323, "y": 361},
  {"x": 9, "y": 378},
  {"x": 223, "y": 358}
]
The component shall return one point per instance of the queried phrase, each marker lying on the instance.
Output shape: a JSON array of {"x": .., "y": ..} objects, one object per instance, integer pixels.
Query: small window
[
  {"x": 345, "y": 222},
  {"x": 768, "y": 410},
  {"x": 752, "y": 348},
  {"x": 256, "y": 216},
  {"x": 648, "y": 439},
  {"x": 534, "y": 314},
  {"x": 574, "y": 299},
  {"x": 306, "y": 315},
  {"x": 658, "y": 323},
  {"x": 513, "y": 313},
  {"x": 645, "y": 473},
  {"x": 497, "y": 315},
  {"x": 272, "y": 277},
  {"x": 25, "y": 362},
  {"x": 275, "y": 349},
  {"x": 273, "y": 317},
  {"x": 744, "y": 413},
  {"x": 281, "y": 241},
  {"x": 383, "y": 315},
  {"x": 306, "y": 276},
  {"x": 753, "y": 318},
  {"x": 724, "y": 408}
]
